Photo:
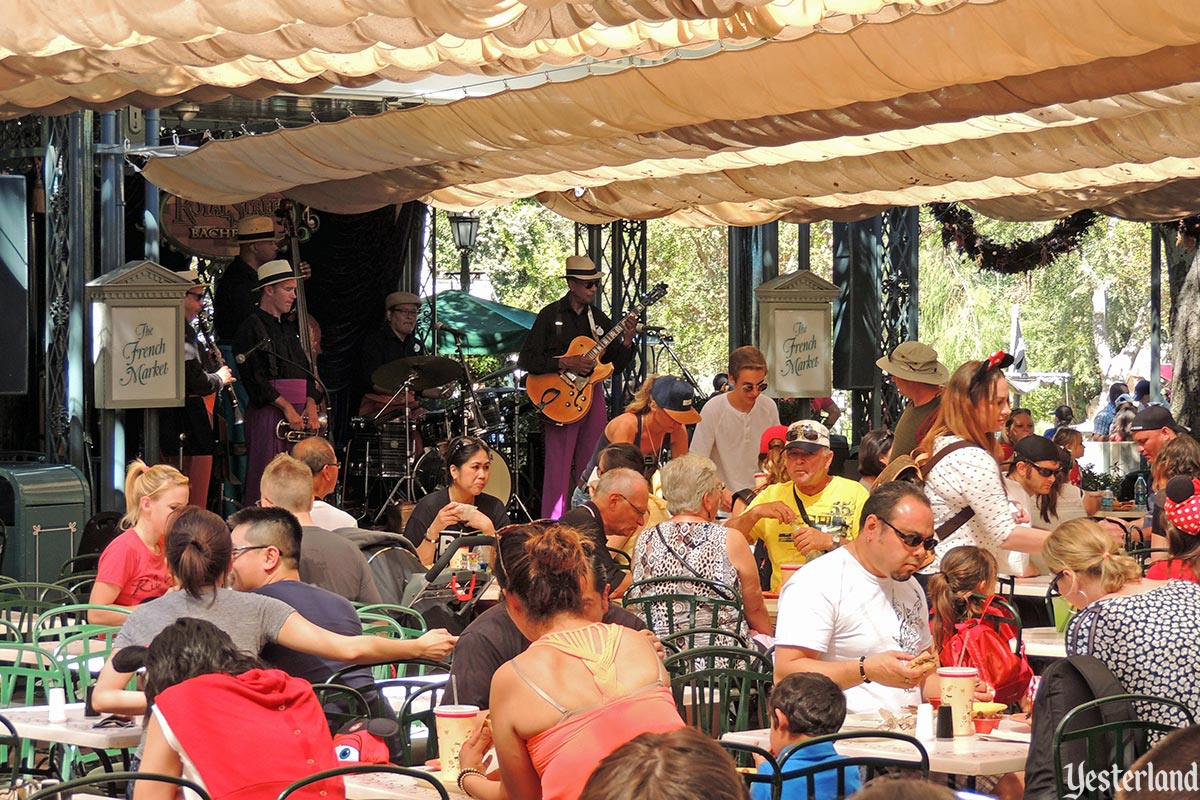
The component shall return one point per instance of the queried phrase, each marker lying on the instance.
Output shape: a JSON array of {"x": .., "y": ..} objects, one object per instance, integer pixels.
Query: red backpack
[{"x": 976, "y": 643}]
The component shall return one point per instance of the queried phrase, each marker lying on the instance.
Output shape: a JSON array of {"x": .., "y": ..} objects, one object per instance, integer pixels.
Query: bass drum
[{"x": 428, "y": 476}]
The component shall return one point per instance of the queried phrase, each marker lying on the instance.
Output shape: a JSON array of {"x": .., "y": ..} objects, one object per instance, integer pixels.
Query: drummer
[
  {"x": 394, "y": 340},
  {"x": 460, "y": 509}
]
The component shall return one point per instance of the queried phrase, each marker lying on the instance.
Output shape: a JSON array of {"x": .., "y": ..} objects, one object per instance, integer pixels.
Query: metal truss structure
[
  {"x": 619, "y": 249},
  {"x": 898, "y": 295}
]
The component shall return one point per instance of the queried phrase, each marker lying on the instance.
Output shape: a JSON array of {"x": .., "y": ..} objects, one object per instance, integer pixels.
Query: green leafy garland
[{"x": 958, "y": 228}]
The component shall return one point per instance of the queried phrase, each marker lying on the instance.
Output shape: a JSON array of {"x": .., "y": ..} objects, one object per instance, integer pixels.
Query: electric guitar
[{"x": 566, "y": 397}]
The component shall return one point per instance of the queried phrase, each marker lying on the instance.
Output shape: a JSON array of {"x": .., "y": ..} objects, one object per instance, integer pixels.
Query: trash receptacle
[{"x": 44, "y": 508}]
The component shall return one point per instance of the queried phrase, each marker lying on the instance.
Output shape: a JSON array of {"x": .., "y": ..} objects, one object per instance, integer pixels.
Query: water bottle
[
  {"x": 1106, "y": 500},
  {"x": 1140, "y": 491}
]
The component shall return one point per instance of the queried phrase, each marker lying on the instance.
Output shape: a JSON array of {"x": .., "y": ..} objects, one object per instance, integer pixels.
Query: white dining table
[
  {"x": 387, "y": 786},
  {"x": 1045, "y": 642},
  {"x": 970, "y": 756},
  {"x": 33, "y": 723}
]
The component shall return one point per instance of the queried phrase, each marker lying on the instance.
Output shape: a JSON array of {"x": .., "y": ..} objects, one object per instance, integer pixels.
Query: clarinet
[{"x": 205, "y": 330}]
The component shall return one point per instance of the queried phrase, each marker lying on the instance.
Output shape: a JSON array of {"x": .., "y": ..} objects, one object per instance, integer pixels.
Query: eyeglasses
[
  {"x": 912, "y": 539},
  {"x": 237, "y": 551},
  {"x": 642, "y": 512},
  {"x": 1045, "y": 472},
  {"x": 335, "y": 465},
  {"x": 404, "y": 312},
  {"x": 264, "y": 502},
  {"x": 752, "y": 387},
  {"x": 1058, "y": 576}
]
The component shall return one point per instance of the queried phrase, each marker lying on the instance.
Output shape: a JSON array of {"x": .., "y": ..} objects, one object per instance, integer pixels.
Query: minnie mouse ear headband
[
  {"x": 998, "y": 359},
  {"x": 130, "y": 659},
  {"x": 1182, "y": 506}
]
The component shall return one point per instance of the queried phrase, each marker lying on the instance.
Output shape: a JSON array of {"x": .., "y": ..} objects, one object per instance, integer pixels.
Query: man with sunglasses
[
  {"x": 732, "y": 423},
  {"x": 857, "y": 616},
  {"x": 569, "y": 447},
  {"x": 811, "y": 514}
]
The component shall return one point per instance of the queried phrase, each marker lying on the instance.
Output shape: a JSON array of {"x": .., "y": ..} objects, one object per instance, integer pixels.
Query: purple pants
[
  {"x": 261, "y": 442},
  {"x": 568, "y": 450}
]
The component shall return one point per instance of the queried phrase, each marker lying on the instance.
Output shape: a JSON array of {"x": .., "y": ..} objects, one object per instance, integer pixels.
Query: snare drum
[
  {"x": 429, "y": 475},
  {"x": 497, "y": 404},
  {"x": 397, "y": 443}
]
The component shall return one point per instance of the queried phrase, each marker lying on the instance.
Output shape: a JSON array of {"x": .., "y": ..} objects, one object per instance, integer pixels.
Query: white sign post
[
  {"x": 796, "y": 334},
  {"x": 137, "y": 336}
]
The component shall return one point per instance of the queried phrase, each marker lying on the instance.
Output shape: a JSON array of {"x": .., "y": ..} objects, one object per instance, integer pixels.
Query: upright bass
[{"x": 288, "y": 214}]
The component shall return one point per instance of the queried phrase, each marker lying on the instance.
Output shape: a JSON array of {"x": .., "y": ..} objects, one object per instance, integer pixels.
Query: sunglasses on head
[
  {"x": 750, "y": 387},
  {"x": 912, "y": 539},
  {"x": 808, "y": 434}
]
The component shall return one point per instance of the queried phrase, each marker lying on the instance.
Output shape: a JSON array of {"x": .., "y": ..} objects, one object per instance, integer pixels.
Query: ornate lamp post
[{"x": 464, "y": 227}]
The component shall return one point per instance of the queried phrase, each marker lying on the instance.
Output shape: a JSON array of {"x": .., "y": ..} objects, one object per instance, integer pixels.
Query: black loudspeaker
[{"x": 14, "y": 285}]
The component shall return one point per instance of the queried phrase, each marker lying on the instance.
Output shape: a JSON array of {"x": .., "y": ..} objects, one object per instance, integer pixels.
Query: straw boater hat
[
  {"x": 914, "y": 361},
  {"x": 273, "y": 272},
  {"x": 193, "y": 276},
  {"x": 256, "y": 229},
  {"x": 582, "y": 268}
]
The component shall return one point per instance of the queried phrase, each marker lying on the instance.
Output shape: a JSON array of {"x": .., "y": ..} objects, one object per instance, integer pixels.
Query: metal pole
[
  {"x": 1155, "y": 313},
  {"x": 79, "y": 198},
  {"x": 433, "y": 273},
  {"x": 150, "y": 215}
]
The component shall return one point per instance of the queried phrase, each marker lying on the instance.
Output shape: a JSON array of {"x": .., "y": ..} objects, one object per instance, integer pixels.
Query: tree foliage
[{"x": 1086, "y": 314}]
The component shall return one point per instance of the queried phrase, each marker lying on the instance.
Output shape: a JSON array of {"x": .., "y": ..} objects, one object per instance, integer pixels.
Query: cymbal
[{"x": 426, "y": 372}]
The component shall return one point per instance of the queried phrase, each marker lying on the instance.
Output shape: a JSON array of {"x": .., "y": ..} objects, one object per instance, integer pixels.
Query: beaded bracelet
[
  {"x": 862, "y": 669},
  {"x": 464, "y": 773}
]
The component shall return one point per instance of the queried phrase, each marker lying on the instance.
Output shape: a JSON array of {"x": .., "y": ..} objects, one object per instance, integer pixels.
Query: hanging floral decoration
[{"x": 958, "y": 228}]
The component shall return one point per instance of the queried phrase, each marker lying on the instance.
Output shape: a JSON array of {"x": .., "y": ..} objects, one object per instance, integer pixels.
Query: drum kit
[{"x": 402, "y": 448}]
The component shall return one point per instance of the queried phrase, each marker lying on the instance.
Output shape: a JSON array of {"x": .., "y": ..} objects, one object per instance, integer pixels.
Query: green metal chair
[
  {"x": 342, "y": 704},
  {"x": 808, "y": 779},
  {"x": 721, "y": 689},
  {"x": 59, "y": 623},
  {"x": 667, "y": 608},
  {"x": 82, "y": 655},
  {"x": 23, "y": 603},
  {"x": 690, "y": 638},
  {"x": 107, "y": 782},
  {"x": 86, "y": 563},
  {"x": 421, "y": 777},
  {"x": 1110, "y": 732},
  {"x": 26, "y": 674}
]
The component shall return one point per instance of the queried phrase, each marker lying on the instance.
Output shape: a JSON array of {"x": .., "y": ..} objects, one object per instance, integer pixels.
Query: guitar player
[{"x": 569, "y": 446}]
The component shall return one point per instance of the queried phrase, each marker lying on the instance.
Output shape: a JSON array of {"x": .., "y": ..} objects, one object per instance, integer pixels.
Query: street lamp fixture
[{"x": 464, "y": 227}]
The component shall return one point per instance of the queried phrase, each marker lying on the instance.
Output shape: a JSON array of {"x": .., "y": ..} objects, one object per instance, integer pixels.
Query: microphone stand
[{"x": 665, "y": 340}]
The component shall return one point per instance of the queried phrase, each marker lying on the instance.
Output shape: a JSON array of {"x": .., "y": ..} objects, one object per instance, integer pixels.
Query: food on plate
[{"x": 989, "y": 709}]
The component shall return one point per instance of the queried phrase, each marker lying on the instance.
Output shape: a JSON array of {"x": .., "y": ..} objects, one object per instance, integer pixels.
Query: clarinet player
[{"x": 188, "y": 433}]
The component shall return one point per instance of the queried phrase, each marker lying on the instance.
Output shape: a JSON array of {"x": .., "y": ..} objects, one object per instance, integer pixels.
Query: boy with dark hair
[{"x": 806, "y": 705}]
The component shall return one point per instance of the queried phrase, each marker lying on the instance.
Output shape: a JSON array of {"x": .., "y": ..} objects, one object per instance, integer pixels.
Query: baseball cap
[
  {"x": 1154, "y": 418},
  {"x": 675, "y": 397},
  {"x": 807, "y": 435},
  {"x": 774, "y": 432},
  {"x": 1037, "y": 448}
]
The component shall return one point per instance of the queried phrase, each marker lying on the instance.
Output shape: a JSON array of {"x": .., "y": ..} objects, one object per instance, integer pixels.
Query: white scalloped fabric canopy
[
  {"x": 57, "y": 56},
  {"x": 1023, "y": 109}
]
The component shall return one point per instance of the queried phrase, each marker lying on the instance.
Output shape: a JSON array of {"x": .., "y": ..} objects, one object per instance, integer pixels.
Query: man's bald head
[{"x": 318, "y": 455}]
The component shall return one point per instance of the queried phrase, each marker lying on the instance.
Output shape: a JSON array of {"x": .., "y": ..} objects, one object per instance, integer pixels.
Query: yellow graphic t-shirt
[{"x": 835, "y": 509}]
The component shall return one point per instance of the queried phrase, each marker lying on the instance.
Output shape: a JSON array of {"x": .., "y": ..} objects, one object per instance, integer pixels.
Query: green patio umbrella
[{"x": 491, "y": 328}]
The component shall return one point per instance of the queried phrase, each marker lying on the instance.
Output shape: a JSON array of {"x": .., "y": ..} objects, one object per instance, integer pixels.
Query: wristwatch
[{"x": 838, "y": 537}]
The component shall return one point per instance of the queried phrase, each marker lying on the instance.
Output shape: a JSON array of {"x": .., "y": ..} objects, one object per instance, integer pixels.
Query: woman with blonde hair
[
  {"x": 132, "y": 567},
  {"x": 1146, "y": 632},
  {"x": 657, "y": 416},
  {"x": 960, "y": 457}
]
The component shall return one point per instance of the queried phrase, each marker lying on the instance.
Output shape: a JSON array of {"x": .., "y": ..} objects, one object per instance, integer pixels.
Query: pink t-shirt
[{"x": 128, "y": 563}]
